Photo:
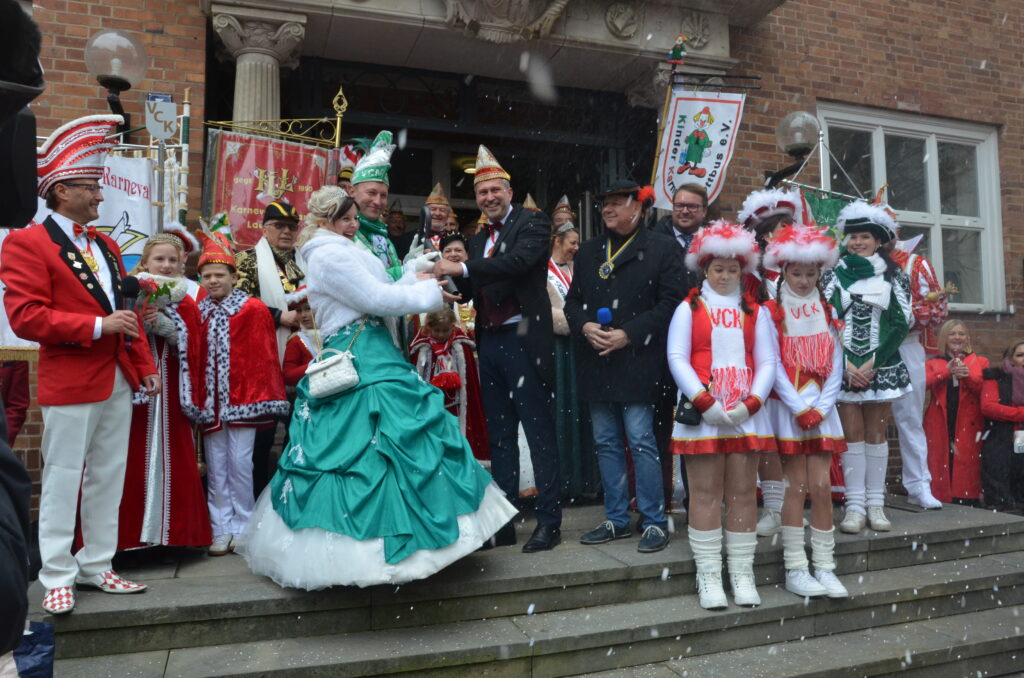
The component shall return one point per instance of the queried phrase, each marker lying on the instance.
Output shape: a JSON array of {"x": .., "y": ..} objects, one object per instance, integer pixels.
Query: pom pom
[
  {"x": 803, "y": 245},
  {"x": 723, "y": 240},
  {"x": 646, "y": 193},
  {"x": 447, "y": 381}
]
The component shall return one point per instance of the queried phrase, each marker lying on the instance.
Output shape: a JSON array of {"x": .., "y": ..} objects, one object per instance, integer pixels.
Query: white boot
[
  {"x": 706, "y": 546},
  {"x": 823, "y": 547},
  {"x": 739, "y": 552},
  {"x": 772, "y": 493},
  {"x": 854, "y": 469},
  {"x": 794, "y": 557}
]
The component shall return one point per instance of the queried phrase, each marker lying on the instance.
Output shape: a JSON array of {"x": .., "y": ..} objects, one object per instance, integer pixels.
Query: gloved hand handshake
[{"x": 417, "y": 260}]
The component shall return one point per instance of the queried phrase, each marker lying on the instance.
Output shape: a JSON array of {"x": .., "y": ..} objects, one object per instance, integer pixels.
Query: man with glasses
[
  {"x": 269, "y": 271},
  {"x": 63, "y": 282}
]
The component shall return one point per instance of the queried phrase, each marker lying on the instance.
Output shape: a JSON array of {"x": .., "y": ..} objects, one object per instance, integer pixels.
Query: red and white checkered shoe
[
  {"x": 110, "y": 582},
  {"x": 60, "y": 600}
]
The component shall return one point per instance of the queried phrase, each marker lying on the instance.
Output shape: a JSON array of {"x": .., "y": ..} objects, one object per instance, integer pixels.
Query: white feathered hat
[
  {"x": 875, "y": 219},
  {"x": 801, "y": 244},
  {"x": 723, "y": 240},
  {"x": 188, "y": 241},
  {"x": 761, "y": 205}
]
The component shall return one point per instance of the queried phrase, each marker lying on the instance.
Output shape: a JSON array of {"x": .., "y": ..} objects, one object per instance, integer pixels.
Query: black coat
[
  {"x": 1002, "y": 471},
  {"x": 15, "y": 488},
  {"x": 664, "y": 227},
  {"x": 642, "y": 292},
  {"x": 518, "y": 266}
]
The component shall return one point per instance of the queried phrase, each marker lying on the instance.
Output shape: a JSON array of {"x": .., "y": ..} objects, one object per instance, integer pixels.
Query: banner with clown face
[{"x": 697, "y": 142}]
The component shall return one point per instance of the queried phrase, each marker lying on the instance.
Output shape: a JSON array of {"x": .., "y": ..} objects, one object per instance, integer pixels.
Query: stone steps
[
  {"x": 215, "y": 601},
  {"x": 609, "y": 636}
]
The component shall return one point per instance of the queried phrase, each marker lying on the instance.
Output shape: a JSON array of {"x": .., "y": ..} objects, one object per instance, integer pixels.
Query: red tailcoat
[
  {"x": 963, "y": 481},
  {"x": 53, "y": 298},
  {"x": 242, "y": 382}
]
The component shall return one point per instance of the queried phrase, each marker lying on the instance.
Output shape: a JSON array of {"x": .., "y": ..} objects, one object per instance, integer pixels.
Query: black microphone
[{"x": 129, "y": 297}]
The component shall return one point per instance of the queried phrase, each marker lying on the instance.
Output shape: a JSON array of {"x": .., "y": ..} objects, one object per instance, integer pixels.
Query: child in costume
[
  {"x": 722, "y": 358},
  {"x": 303, "y": 345},
  {"x": 443, "y": 356},
  {"x": 242, "y": 389},
  {"x": 870, "y": 294},
  {"x": 803, "y": 404},
  {"x": 163, "y": 501}
]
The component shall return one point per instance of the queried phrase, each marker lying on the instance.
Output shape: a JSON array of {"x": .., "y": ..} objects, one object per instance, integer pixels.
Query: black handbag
[{"x": 687, "y": 413}]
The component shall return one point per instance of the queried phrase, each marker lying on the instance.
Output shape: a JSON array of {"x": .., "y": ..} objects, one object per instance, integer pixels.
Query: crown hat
[
  {"x": 217, "y": 249},
  {"x": 487, "y": 167},
  {"x": 801, "y": 244},
  {"x": 723, "y": 240},
  {"x": 437, "y": 197},
  {"x": 75, "y": 150},
  {"x": 530, "y": 204},
  {"x": 564, "y": 207}
]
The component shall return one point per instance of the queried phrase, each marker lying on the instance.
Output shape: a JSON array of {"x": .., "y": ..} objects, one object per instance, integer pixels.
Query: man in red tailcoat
[{"x": 63, "y": 291}]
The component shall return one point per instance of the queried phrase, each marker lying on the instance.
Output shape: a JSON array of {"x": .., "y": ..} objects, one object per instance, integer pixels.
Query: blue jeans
[{"x": 614, "y": 425}]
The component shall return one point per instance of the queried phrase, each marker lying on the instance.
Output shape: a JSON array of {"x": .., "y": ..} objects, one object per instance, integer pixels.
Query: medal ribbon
[{"x": 608, "y": 249}]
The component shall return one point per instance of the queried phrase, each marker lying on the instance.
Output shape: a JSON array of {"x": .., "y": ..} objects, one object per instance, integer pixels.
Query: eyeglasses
[
  {"x": 687, "y": 206},
  {"x": 281, "y": 225},
  {"x": 92, "y": 188}
]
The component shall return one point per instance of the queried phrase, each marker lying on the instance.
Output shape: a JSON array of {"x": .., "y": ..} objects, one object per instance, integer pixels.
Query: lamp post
[
  {"x": 796, "y": 134},
  {"x": 118, "y": 62}
]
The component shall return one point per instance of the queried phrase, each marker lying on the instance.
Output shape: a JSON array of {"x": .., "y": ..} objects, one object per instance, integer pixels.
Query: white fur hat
[
  {"x": 723, "y": 240},
  {"x": 299, "y": 295},
  {"x": 861, "y": 216},
  {"x": 798, "y": 244},
  {"x": 188, "y": 241},
  {"x": 761, "y": 205}
]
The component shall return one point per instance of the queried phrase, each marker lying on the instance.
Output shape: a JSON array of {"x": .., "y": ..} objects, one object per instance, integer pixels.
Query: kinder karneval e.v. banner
[
  {"x": 697, "y": 142},
  {"x": 245, "y": 173}
]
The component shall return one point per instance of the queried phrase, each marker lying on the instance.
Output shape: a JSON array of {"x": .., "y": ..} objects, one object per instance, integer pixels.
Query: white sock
[
  {"x": 853, "y": 476},
  {"x": 706, "y": 546},
  {"x": 877, "y": 463},
  {"x": 773, "y": 492},
  {"x": 739, "y": 551},
  {"x": 823, "y": 547},
  {"x": 794, "y": 556}
]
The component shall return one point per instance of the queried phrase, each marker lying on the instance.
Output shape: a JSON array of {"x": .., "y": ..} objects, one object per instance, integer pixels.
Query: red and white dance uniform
[
  {"x": 719, "y": 353},
  {"x": 808, "y": 376},
  {"x": 163, "y": 501}
]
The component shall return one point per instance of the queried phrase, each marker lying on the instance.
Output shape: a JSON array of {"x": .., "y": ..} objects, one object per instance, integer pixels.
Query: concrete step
[
  {"x": 986, "y": 643},
  {"x": 599, "y": 637},
  {"x": 215, "y": 601}
]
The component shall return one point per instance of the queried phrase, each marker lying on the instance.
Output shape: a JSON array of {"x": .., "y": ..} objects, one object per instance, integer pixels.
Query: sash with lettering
[
  {"x": 731, "y": 376},
  {"x": 806, "y": 342},
  {"x": 559, "y": 279}
]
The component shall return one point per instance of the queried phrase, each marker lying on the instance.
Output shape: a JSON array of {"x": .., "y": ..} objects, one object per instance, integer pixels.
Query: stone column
[{"x": 261, "y": 42}]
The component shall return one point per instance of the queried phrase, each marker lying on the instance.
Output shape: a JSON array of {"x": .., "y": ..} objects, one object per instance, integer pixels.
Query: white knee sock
[
  {"x": 794, "y": 557},
  {"x": 773, "y": 492},
  {"x": 877, "y": 463},
  {"x": 823, "y": 547},
  {"x": 739, "y": 551},
  {"x": 853, "y": 476},
  {"x": 706, "y": 546}
]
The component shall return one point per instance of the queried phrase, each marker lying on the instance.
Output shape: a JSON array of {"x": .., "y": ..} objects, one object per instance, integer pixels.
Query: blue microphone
[{"x": 604, "y": 318}]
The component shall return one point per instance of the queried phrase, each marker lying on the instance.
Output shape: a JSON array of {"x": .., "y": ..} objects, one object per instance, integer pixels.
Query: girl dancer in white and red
[
  {"x": 722, "y": 358},
  {"x": 803, "y": 405}
]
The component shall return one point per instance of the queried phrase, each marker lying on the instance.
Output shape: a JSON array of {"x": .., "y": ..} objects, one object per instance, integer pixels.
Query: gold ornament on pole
[{"x": 319, "y": 131}]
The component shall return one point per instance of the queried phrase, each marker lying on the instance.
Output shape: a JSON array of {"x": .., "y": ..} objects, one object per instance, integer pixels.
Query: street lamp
[
  {"x": 796, "y": 134},
  {"x": 118, "y": 62}
]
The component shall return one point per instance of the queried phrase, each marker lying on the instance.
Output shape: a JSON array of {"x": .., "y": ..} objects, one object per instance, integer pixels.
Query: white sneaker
[
  {"x": 744, "y": 592},
  {"x": 237, "y": 542},
  {"x": 709, "y": 588},
  {"x": 853, "y": 522},
  {"x": 221, "y": 546},
  {"x": 803, "y": 584},
  {"x": 770, "y": 523},
  {"x": 924, "y": 499},
  {"x": 829, "y": 580},
  {"x": 877, "y": 519}
]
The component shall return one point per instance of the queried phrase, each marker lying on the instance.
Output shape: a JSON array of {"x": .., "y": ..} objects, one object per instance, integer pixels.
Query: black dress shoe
[
  {"x": 506, "y": 536},
  {"x": 544, "y": 538}
]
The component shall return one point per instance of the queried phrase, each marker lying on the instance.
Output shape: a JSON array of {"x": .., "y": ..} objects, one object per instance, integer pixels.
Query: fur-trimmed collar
[{"x": 231, "y": 304}]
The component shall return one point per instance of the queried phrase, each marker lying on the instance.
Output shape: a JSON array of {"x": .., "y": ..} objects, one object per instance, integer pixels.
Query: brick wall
[{"x": 957, "y": 60}]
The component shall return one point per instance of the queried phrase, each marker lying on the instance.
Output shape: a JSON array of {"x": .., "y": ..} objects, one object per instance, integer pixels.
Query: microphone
[
  {"x": 604, "y": 318},
  {"x": 129, "y": 297}
]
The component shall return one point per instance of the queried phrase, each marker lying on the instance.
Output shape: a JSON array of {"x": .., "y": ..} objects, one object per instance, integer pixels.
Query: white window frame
[{"x": 933, "y": 130}]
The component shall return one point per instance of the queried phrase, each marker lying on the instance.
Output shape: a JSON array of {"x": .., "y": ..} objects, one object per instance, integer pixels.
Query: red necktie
[{"x": 89, "y": 231}]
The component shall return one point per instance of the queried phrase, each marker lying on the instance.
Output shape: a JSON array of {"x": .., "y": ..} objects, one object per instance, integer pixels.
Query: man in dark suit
[
  {"x": 506, "y": 275},
  {"x": 621, "y": 363}
]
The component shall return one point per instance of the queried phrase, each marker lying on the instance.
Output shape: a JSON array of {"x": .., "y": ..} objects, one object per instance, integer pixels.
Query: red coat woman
[{"x": 953, "y": 421}]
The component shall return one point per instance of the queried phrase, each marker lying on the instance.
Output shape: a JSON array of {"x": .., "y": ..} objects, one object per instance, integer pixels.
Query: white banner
[{"x": 697, "y": 143}]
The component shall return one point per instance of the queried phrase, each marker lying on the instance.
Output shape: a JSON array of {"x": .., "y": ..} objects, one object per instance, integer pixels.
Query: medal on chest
[{"x": 605, "y": 269}]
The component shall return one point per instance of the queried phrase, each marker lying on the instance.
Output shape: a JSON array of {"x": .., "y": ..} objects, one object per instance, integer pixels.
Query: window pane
[
  {"x": 961, "y": 257},
  {"x": 905, "y": 172},
  {"x": 958, "y": 179},
  {"x": 924, "y": 248},
  {"x": 852, "y": 148}
]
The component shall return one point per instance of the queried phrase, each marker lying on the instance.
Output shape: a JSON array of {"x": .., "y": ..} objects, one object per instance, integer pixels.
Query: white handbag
[{"x": 335, "y": 374}]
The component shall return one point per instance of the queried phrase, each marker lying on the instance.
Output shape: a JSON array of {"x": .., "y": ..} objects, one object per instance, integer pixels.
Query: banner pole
[
  {"x": 161, "y": 178},
  {"x": 661, "y": 123}
]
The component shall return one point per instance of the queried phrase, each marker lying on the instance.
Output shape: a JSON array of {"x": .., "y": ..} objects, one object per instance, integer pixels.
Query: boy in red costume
[
  {"x": 243, "y": 389},
  {"x": 304, "y": 343}
]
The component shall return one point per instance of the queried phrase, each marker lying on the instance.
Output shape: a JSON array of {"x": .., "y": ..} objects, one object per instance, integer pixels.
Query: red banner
[{"x": 249, "y": 172}]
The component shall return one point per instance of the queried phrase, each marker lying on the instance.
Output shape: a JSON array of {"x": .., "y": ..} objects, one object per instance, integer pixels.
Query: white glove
[
  {"x": 424, "y": 262},
  {"x": 415, "y": 250},
  {"x": 716, "y": 416},
  {"x": 738, "y": 414}
]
